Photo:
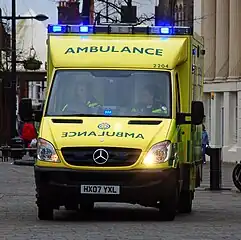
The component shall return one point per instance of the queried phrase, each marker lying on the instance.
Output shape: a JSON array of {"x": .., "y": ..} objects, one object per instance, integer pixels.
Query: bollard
[{"x": 215, "y": 169}]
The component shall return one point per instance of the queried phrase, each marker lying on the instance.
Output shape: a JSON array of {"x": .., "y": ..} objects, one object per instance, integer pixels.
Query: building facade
[
  {"x": 5, "y": 91},
  {"x": 221, "y": 28}
]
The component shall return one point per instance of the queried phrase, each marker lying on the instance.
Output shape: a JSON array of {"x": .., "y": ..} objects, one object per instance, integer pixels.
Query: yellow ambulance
[{"x": 122, "y": 118}]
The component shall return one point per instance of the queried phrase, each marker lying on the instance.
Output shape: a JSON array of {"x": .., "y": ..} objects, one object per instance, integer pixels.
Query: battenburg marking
[{"x": 102, "y": 134}]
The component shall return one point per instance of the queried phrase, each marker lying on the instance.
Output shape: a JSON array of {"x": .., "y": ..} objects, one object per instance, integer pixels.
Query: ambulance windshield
[{"x": 114, "y": 93}]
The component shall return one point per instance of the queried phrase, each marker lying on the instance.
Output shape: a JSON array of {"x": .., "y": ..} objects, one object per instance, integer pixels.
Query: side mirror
[
  {"x": 197, "y": 112},
  {"x": 38, "y": 112},
  {"x": 25, "y": 109},
  {"x": 38, "y": 115}
]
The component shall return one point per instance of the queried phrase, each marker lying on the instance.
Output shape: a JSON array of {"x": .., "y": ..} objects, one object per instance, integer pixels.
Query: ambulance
[{"x": 122, "y": 118}]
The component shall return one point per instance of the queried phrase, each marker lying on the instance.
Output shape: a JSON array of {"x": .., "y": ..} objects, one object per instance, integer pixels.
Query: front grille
[{"x": 83, "y": 156}]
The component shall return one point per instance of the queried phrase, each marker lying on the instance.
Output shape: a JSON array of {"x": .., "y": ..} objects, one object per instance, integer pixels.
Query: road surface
[{"x": 215, "y": 215}]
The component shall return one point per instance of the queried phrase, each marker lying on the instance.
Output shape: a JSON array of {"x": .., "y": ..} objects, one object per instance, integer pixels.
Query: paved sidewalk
[{"x": 227, "y": 169}]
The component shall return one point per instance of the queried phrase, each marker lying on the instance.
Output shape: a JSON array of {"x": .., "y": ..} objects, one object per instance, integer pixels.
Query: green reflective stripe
[
  {"x": 93, "y": 104},
  {"x": 160, "y": 110},
  {"x": 157, "y": 110}
]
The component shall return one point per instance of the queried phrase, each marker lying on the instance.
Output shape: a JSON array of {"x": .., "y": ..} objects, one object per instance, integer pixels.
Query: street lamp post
[
  {"x": 14, "y": 72},
  {"x": 107, "y": 10},
  {"x": 13, "y": 17}
]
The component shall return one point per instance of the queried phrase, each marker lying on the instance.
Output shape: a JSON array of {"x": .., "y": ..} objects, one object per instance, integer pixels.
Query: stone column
[
  {"x": 216, "y": 135},
  {"x": 227, "y": 119},
  {"x": 235, "y": 40},
  {"x": 222, "y": 39},
  {"x": 209, "y": 32},
  {"x": 207, "y": 108},
  {"x": 239, "y": 119}
]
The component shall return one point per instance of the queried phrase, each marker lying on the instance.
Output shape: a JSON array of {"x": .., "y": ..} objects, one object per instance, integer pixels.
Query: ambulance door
[
  {"x": 196, "y": 133},
  {"x": 181, "y": 138}
]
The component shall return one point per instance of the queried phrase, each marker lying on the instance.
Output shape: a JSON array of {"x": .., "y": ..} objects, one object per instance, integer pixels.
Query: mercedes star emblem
[{"x": 100, "y": 156}]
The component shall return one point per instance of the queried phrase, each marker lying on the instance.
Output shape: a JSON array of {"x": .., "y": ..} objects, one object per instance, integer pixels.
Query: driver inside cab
[
  {"x": 150, "y": 102},
  {"x": 81, "y": 100}
]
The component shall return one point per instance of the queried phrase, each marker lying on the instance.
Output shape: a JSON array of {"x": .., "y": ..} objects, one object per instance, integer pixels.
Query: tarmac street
[{"x": 216, "y": 215}]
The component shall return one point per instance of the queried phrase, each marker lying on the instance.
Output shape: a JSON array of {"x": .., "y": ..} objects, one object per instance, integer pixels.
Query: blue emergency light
[
  {"x": 57, "y": 28},
  {"x": 119, "y": 29},
  {"x": 84, "y": 29},
  {"x": 165, "y": 30}
]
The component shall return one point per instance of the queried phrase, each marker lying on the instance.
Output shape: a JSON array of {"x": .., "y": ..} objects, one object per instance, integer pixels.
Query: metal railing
[{"x": 9, "y": 153}]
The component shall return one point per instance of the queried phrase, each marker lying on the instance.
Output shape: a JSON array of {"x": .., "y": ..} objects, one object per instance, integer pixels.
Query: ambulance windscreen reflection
[{"x": 116, "y": 93}]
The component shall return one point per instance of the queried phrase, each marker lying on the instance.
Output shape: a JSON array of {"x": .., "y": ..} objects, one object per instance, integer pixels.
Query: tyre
[
  {"x": 236, "y": 176},
  {"x": 168, "y": 208},
  {"x": 185, "y": 202},
  {"x": 45, "y": 212}
]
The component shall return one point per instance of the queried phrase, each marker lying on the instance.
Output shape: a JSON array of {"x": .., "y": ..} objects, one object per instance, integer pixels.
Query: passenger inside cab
[{"x": 150, "y": 103}]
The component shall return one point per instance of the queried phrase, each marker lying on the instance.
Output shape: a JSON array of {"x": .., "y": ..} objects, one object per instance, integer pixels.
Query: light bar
[
  {"x": 57, "y": 28},
  {"x": 118, "y": 29}
]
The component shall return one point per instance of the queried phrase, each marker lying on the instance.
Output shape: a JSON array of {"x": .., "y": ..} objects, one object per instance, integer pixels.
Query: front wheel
[
  {"x": 236, "y": 175},
  {"x": 185, "y": 202},
  {"x": 45, "y": 212},
  {"x": 45, "y": 209},
  {"x": 168, "y": 208}
]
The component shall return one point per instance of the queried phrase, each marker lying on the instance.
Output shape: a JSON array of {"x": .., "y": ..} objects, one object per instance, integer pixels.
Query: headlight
[
  {"x": 46, "y": 151},
  {"x": 159, "y": 153}
]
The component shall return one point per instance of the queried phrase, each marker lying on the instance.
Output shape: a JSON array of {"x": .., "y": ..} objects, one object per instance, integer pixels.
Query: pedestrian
[
  {"x": 205, "y": 143},
  {"x": 28, "y": 133}
]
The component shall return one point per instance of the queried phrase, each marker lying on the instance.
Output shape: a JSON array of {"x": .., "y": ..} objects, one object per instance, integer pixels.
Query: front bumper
[{"x": 145, "y": 187}]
